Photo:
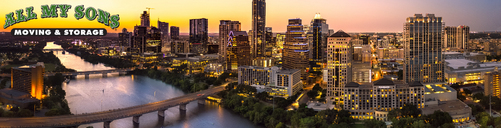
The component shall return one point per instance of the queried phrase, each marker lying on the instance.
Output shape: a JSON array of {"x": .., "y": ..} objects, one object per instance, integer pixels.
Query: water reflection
[{"x": 101, "y": 94}]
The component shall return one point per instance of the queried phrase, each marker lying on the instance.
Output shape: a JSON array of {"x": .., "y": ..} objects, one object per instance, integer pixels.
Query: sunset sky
[{"x": 350, "y": 16}]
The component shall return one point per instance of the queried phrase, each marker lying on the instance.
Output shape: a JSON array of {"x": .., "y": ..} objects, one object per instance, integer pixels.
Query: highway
[{"x": 86, "y": 118}]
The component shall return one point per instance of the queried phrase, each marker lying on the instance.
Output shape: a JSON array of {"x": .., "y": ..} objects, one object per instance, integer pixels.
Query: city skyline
[{"x": 371, "y": 16}]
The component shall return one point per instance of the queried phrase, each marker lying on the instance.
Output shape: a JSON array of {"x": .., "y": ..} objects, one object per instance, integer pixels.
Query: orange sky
[{"x": 350, "y": 16}]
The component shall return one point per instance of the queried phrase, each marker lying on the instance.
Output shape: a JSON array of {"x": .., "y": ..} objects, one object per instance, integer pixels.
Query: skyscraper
[
  {"x": 338, "y": 65},
  {"x": 424, "y": 61},
  {"x": 270, "y": 42},
  {"x": 225, "y": 27},
  {"x": 174, "y": 33},
  {"x": 258, "y": 42},
  {"x": 237, "y": 51},
  {"x": 198, "y": 35},
  {"x": 295, "y": 55},
  {"x": 456, "y": 38},
  {"x": 164, "y": 29},
  {"x": 320, "y": 31},
  {"x": 28, "y": 79},
  {"x": 145, "y": 19}
]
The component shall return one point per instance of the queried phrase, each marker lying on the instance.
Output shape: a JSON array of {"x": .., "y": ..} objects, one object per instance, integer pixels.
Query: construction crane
[{"x": 149, "y": 9}]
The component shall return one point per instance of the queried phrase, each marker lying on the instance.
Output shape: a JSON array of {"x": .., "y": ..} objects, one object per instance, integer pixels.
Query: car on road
[{"x": 200, "y": 94}]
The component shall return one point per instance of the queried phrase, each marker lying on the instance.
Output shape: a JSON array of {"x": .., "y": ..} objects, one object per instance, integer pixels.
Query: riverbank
[
  {"x": 95, "y": 59},
  {"x": 250, "y": 107}
]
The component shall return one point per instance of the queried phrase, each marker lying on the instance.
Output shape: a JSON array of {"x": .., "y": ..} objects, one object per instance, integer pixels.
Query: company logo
[{"x": 51, "y": 11}]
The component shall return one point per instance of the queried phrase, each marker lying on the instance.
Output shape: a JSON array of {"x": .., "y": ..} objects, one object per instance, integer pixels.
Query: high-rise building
[
  {"x": 199, "y": 35},
  {"x": 338, "y": 65},
  {"x": 28, "y": 79},
  {"x": 320, "y": 31},
  {"x": 225, "y": 28},
  {"x": 180, "y": 46},
  {"x": 456, "y": 38},
  {"x": 270, "y": 42},
  {"x": 295, "y": 52},
  {"x": 165, "y": 36},
  {"x": 424, "y": 61},
  {"x": 154, "y": 41},
  {"x": 145, "y": 19},
  {"x": 125, "y": 38},
  {"x": 258, "y": 42},
  {"x": 492, "y": 84},
  {"x": 139, "y": 39},
  {"x": 174, "y": 33},
  {"x": 375, "y": 100},
  {"x": 238, "y": 51},
  {"x": 273, "y": 80}
]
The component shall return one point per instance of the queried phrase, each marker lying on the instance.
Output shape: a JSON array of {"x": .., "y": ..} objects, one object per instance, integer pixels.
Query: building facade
[
  {"x": 374, "y": 101},
  {"x": 456, "y": 38},
  {"x": 174, "y": 33},
  {"x": 225, "y": 27},
  {"x": 492, "y": 85},
  {"x": 238, "y": 51},
  {"x": 29, "y": 79},
  {"x": 318, "y": 42},
  {"x": 275, "y": 81},
  {"x": 145, "y": 19},
  {"x": 295, "y": 52},
  {"x": 258, "y": 42},
  {"x": 339, "y": 56},
  {"x": 424, "y": 61},
  {"x": 199, "y": 35},
  {"x": 165, "y": 36}
]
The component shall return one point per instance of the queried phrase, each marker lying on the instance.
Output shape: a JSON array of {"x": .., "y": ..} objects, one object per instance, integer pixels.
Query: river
[{"x": 101, "y": 94}]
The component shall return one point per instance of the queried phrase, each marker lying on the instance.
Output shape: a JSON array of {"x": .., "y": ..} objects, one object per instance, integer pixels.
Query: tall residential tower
[
  {"x": 258, "y": 42},
  {"x": 295, "y": 52},
  {"x": 424, "y": 61}
]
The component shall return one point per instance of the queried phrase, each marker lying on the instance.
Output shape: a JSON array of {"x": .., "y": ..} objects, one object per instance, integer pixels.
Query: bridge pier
[
  {"x": 105, "y": 75},
  {"x": 106, "y": 124},
  {"x": 161, "y": 113},
  {"x": 87, "y": 76},
  {"x": 135, "y": 119},
  {"x": 182, "y": 107},
  {"x": 201, "y": 101}
]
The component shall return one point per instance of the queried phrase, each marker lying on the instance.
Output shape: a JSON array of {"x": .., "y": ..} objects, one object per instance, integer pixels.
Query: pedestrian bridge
[{"x": 108, "y": 116}]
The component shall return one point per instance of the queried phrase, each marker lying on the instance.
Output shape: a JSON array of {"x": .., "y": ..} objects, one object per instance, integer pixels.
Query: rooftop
[
  {"x": 340, "y": 33},
  {"x": 453, "y": 107},
  {"x": 352, "y": 84},
  {"x": 384, "y": 81}
]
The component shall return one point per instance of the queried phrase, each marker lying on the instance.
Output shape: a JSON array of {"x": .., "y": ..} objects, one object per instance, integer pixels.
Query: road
[{"x": 74, "y": 120}]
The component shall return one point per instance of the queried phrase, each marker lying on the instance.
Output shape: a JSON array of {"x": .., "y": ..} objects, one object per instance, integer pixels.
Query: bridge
[
  {"x": 108, "y": 116},
  {"x": 86, "y": 73}
]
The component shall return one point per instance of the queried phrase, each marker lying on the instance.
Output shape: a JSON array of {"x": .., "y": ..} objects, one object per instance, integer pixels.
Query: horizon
[{"x": 351, "y": 17}]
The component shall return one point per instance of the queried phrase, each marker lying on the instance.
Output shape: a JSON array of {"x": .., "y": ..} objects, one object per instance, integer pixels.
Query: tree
[
  {"x": 312, "y": 94},
  {"x": 24, "y": 113},
  {"x": 438, "y": 118},
  {"x": 373, "y": 123},
  {"x": 478, "y": 96},
  {"x": 420, "y": 124},
  {"x": 8, "y": 114},
  {"x": 467, "y": 92},
  {"x": 307, "y": 122},
  {"x": 280, "y": 125},
  {"x": 262, "y": 96},
  {"x": 447, "y": 125}
]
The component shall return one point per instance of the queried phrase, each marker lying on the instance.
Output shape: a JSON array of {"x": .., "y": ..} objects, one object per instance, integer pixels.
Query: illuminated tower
[
  {"x": 198, "y": 35},
  {"x": 455, "y": 38},
  {"x": 174, "y": 33},
  {"x": 165, "y": 36},
  {"x": 225, "y": 27},
  {"x": 28, "y": 79},
  {"x": 145, "y": 19},
  {"x": 320, "y": 31},
  {"x": 338, "y": 65},
  {"x": 258, "y": 28},
  {"x": 424, "y": 61},
  {"x": 295, "y": 52}
]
